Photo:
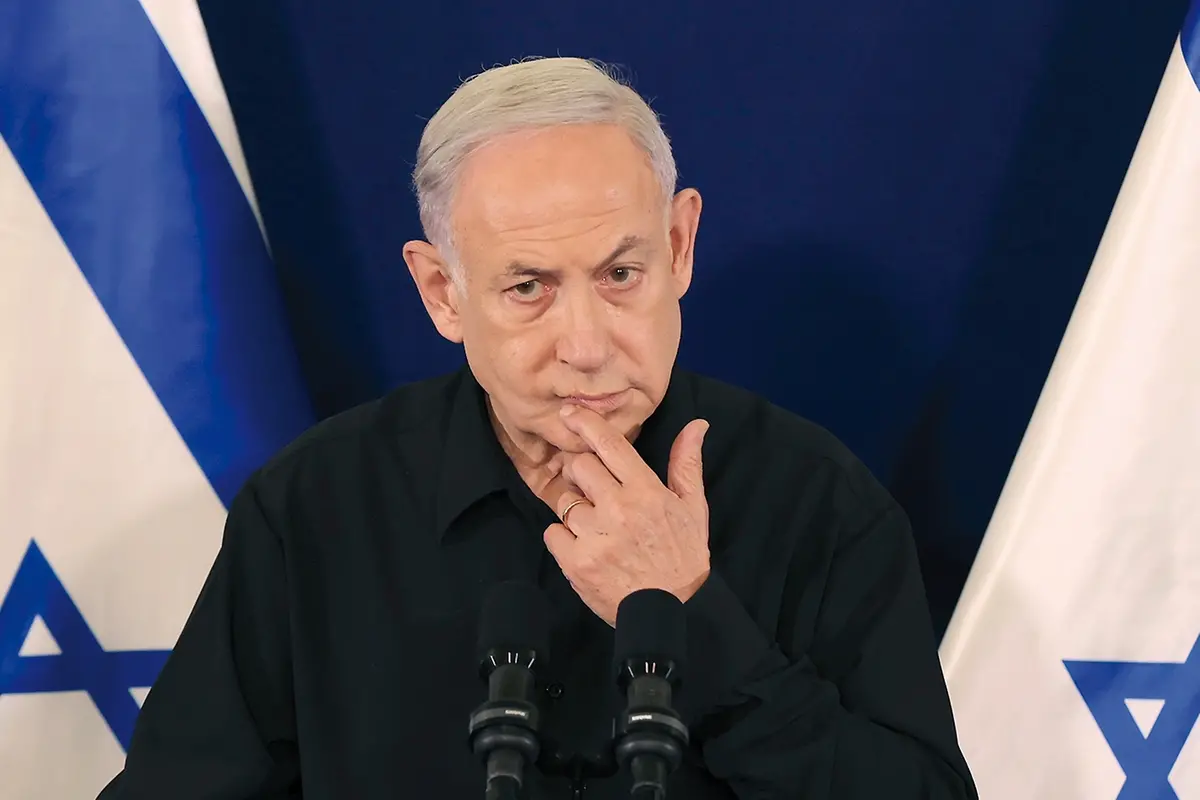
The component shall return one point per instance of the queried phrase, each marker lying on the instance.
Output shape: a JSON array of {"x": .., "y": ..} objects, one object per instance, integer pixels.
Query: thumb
[{"x": 685, "y": 469}]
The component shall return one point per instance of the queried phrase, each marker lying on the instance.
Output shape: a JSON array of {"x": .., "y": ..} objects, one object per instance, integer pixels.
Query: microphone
[
  {"x": 514, "y": 633},
  {"x": 648, "y": 654}
]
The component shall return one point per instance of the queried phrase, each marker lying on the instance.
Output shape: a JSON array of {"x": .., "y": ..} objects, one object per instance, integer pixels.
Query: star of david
[
  {"x": 1147, "y": 760},
  {"x": 82, "y": 664}
]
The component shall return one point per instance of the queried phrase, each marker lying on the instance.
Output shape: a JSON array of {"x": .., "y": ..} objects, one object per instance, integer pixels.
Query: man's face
[{"x": 574, "y": 270}]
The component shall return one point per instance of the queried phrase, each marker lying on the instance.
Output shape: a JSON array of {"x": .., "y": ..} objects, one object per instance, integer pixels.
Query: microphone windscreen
[
  {"x": 515, "y": 616},
  {"x": 652, "y": 625}
]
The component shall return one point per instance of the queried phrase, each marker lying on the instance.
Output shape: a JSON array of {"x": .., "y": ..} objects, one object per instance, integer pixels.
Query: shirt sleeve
[
  {"x": 863, "y": 714},
  {"x": 219, "y": 722}
]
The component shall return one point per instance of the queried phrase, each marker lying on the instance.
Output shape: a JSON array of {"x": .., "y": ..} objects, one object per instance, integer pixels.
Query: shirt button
[{"x": 555, "y": 691}]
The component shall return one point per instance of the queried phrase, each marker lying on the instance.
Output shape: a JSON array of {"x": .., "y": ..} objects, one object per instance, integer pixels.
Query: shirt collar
[{"x": 474, "y": 465}]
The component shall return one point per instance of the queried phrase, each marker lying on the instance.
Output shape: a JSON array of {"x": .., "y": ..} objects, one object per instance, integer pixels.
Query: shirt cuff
[{"x": 725, "y": 648}]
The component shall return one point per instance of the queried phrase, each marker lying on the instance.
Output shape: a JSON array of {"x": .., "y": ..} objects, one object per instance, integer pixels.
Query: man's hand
[{"x": 630, "y": 532}]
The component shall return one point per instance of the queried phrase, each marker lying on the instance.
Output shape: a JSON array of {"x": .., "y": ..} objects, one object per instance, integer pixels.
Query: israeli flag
[
  {"x": 1073, "y": 657},
  {"x": 145, "y": 367}
]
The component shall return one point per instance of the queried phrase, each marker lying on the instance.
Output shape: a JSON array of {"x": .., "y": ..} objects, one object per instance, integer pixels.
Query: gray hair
[{"x": 529, "y": 94}]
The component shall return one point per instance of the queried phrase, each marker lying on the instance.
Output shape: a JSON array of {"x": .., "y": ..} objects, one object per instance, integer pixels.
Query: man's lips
[{"x": 600, "y": 403}]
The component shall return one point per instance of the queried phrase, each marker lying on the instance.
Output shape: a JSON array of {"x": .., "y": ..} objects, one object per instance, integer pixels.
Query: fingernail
[{"x": 567, "y": 411}]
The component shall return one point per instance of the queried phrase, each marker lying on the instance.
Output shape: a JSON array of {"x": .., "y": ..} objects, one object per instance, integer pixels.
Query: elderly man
[{"x": 331, "y": 652}]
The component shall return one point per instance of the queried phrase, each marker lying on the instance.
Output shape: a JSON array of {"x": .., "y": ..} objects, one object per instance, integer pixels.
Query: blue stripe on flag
[
  {"x": 125, "y": 164},
  {"x": 1189, "y": 40}
]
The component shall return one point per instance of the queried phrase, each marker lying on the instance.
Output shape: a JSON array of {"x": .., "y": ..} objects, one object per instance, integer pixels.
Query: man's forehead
[{"x": 547, "y": 177}]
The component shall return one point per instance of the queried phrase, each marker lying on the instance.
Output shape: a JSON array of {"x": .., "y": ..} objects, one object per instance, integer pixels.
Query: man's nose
[{"x": 583, "y": 341}]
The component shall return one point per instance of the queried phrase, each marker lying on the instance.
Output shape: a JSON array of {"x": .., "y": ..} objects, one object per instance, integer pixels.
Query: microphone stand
[
  {"x": 503, "y": 731},
  {"x": 502, "y": 789},
  {"x": 649, "y": 648},
  {"x": 649, "y": 736}
]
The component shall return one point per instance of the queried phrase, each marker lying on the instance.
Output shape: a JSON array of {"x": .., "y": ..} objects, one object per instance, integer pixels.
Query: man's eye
[
  {"x": 527, "y": 289},
  {"x": 622, "y": 276}
]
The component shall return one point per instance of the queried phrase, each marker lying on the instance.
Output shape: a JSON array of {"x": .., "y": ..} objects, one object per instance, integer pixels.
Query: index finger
[{"x": 613, "y": 449}]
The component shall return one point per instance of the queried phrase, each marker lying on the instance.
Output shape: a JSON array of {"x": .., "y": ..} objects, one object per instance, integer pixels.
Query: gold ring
[{"x": 567, "y": 510}]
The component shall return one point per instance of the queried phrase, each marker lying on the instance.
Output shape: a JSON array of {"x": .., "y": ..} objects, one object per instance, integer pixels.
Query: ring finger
[
  {"x": 568, "y": 504},
  {"x": 578, "y": 515}
]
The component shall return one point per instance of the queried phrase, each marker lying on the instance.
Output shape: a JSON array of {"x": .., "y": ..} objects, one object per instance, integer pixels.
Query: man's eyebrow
[
  {"x": 519, "y": 269},
  {"x": 626, "y": 244}
]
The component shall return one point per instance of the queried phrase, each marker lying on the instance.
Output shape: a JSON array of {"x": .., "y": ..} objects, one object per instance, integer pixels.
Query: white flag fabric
[
  {"x": 1073, "y": 657},
  {"x": 145, "y": 368}
]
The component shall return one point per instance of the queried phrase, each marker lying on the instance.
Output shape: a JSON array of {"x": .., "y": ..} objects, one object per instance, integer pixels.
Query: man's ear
[
  {"x": 685, "y": 220},
  {"x": 441, "y": 296}
]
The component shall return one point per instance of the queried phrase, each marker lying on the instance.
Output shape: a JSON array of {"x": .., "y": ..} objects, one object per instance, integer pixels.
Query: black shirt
[{"x": 331, "y": 653}]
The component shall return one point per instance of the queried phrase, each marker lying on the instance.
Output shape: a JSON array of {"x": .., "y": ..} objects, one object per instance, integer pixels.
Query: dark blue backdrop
[{"x": 901, "y": 199}]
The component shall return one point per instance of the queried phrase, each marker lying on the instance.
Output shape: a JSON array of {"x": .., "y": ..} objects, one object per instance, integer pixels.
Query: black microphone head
[
  {"x": 515, "y": 617},
  {"x": 651, "y": 627}
]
